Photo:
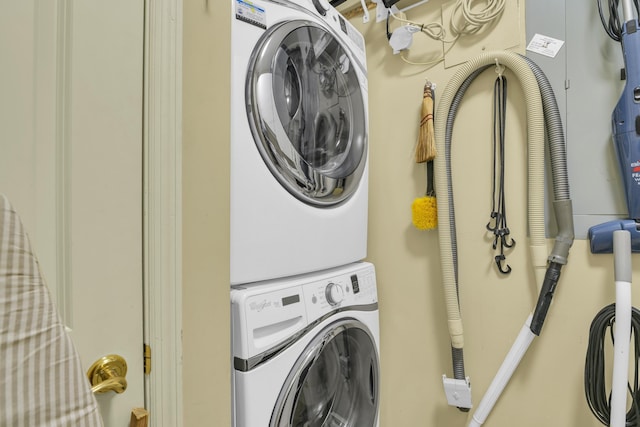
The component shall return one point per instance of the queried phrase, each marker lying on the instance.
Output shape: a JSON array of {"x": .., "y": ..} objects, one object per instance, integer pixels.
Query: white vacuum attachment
[
  {"x": 622, "y": 331},
  {"x": 509, "y": 365}
]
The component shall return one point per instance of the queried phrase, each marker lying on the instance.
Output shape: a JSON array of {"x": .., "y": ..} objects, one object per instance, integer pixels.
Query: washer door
[
  {"x": 307, "y": 111},
  {"x": 335, "y": 382}
]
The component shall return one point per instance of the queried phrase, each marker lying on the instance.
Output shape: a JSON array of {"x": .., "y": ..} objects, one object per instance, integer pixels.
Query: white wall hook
[
  {"x": 365, "y": 11},
  {"x": 499, "y": 68}
]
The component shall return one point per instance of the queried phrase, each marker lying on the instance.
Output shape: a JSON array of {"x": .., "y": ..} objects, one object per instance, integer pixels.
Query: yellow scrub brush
[{"x": 424, "y": 210}]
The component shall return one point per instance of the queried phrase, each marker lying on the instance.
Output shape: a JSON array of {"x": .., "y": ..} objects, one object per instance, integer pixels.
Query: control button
[
  {"x": 334, "y": 293},
  {"x": 355, "y": 284}
]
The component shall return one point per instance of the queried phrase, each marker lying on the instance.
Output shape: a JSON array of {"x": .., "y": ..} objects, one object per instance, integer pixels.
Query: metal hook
[{"x": 499, "y": 259}]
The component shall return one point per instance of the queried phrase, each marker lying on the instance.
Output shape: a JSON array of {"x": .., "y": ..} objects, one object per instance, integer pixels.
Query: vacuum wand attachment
[
  {"x": 500, "y": 381},
  {"x": 622, "y": 330},
  {"x": 557, "y": 258},
  {"x": 546, "y": 294}
]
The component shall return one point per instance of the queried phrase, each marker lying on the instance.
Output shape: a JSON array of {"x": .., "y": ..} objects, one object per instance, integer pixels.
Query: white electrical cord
[
  {"x": 470, "y": 20},
  {"x": 465, "y": 20},
  {"x": 435, "y": 30}
]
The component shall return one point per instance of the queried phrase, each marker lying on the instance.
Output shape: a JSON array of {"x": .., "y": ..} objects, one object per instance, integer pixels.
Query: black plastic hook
[
  {"x": 504, "y": 235},
  {"x": 497, "y": 217},
  {"x": 499, "y": 260}
]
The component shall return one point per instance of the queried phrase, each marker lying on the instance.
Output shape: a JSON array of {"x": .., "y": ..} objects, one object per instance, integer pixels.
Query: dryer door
[
  {"x": 307, "y": 111},
  {"x": 334, "y": 383}
]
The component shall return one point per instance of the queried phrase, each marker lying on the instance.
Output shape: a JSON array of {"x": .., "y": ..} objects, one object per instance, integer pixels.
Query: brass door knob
[{"x": 108, "y": 374}]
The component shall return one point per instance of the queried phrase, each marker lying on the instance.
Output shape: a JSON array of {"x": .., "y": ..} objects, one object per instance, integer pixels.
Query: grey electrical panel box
[{"x": 586, "y": 79}]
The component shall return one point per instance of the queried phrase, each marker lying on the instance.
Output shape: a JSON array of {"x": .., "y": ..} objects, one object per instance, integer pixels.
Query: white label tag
[
  {"x": 250, "y": 13},
  {"x": 544, "y": 45}
]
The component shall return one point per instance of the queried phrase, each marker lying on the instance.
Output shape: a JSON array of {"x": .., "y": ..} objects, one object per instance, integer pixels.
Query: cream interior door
[{"x": 71, "y": 129}]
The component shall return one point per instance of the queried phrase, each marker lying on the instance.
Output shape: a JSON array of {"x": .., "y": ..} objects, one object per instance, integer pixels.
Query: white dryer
[
  {"x": 299, "y": 120},
  {"x": 305, "y": 350}
]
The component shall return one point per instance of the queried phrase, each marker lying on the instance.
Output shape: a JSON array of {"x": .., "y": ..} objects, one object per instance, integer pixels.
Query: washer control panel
[
  {"x": 355, "y": 288},
  {"x": 265, "y": 315}
]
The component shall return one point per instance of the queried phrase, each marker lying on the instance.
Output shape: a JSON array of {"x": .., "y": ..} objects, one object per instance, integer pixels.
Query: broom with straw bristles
[
  {"x": 426, "y": 148},
  {"x": 424, "y": 209}
]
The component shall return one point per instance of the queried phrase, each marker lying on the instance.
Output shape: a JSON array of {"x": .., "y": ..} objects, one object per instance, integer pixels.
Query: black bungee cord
[{"x": 500, "y": 229}]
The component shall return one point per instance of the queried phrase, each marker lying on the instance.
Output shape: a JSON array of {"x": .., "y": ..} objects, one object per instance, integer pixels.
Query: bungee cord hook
[{"x": 499, "y": 228}]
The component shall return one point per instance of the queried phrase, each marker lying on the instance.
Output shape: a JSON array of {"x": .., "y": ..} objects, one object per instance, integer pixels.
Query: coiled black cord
[
  {"x": 612, "y": 26},
  {"x": 594, "y": 378}
]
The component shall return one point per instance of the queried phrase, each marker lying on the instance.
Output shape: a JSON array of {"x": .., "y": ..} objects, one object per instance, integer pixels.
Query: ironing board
[{"x": 41, "y": 379}]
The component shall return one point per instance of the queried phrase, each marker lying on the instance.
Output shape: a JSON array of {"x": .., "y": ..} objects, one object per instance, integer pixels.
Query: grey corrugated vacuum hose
[
  {"x": 558, "y": 156},
  {"x": 535, "y": 131},
  {"x": 457, "y": 354}
]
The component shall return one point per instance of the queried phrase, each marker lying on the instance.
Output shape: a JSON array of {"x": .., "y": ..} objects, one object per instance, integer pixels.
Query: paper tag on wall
[{"x": 545, "y": 45}]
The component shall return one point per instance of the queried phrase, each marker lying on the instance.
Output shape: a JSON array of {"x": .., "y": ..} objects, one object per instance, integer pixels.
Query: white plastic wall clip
[
  {"x": 458, "y": 392},
  {"x": 382, "y": 11},
  {"x": 365, "y": 11},
  {"x": 499, "y": 68}
]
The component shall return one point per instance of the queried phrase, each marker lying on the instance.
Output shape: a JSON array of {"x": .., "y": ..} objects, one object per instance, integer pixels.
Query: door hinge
[{"x": 147, "y": 359}]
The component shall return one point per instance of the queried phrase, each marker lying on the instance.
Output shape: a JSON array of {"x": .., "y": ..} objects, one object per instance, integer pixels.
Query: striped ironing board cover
[{"x": 41, "y": 379}]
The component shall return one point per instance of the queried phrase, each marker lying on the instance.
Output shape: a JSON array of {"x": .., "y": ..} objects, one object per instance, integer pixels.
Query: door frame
[{"x": 162, "y": 209}]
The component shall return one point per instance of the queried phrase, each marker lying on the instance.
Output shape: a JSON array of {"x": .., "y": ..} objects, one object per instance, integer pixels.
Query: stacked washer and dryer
[{"x": 305, "y": 333}]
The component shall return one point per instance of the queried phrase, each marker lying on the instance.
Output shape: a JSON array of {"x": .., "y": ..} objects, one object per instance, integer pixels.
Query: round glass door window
[
  {"x": 307, "y": 112},
  {"x": 335, "y": 383}
]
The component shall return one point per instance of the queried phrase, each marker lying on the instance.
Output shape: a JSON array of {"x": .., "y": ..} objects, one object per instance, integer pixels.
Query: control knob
[
  {"x": 334, "y": 293},
  {"x": 322, "y": 6}
]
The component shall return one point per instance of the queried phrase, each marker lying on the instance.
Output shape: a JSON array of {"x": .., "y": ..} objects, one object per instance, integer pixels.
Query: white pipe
[
  {"x": 416, "y": 4},
  {"x": 509, "y": 365},
  {"x": 622, "y": 331}
]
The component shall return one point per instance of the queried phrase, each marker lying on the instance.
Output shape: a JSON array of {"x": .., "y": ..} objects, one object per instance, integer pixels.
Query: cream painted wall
[
  {"x": 206, "y": 349},
  {"x": 546, "y": 390}
]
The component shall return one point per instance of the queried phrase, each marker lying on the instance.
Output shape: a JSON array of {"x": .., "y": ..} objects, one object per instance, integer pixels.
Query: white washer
[
  {"x": 299, "y": 120},
  {"x": 305, "y": 350}
]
